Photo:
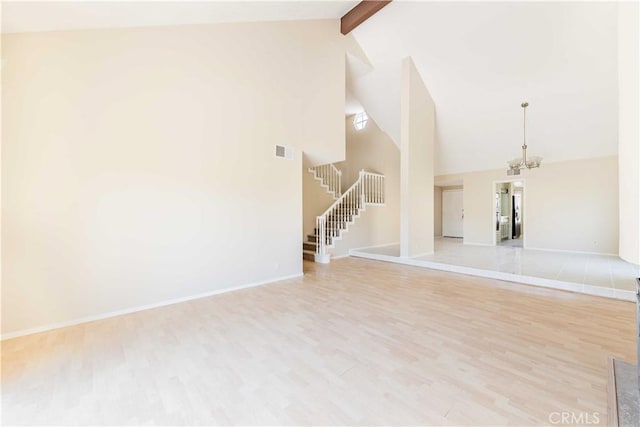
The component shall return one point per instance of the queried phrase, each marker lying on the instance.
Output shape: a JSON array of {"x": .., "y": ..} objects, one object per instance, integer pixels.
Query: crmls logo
[{"x": 574, "y": 418}]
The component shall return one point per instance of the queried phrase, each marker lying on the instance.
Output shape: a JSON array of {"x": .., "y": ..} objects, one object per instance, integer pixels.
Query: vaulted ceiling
[
  {"x": 27, "y": 16},
  {"x": 481, "y": 60}
]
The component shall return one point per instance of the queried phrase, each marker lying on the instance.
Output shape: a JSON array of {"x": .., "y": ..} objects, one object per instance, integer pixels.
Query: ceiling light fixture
[{"x": 522, "y": 162}]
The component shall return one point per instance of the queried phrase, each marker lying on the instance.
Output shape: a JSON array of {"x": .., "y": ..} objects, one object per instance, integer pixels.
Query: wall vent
[{"x": 284, "y": 152}]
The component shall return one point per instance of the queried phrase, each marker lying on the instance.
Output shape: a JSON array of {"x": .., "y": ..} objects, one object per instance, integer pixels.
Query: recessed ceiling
[
  {"x": 18, "y": 17},
  {"x": 480, "y": 60}
]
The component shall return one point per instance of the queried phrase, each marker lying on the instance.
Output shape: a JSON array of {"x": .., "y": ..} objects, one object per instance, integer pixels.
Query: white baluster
[
  {"x": 333, "y": 182},
  {"x": 363, "y": 192},
  {"x": 367, "y": 193},
  {"x": 344, "y": 211},
  {"x": 351, "y": 203},
  {"x": 331, "y": 187},
  {"x": 330, "y": 182},
  {"x": 318, "y": 236}
]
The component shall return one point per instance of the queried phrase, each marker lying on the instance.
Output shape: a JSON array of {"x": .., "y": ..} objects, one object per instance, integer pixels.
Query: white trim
[
  {"x": 572, "y": 252},
  {"x": 376, "y": 246},
  {"x": 509, "y": 277},
  {"x": 318, "y": 178},
  {"x": 422, "y": 254},
  {"x": 529, "y": 248},
  {"x": 340, "y": 256},
  {"x": 473, "y": 243},
  {"x": 87, "y": 319}
]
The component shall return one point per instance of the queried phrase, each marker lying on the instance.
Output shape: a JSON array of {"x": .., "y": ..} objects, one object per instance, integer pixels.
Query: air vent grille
[{"x": 284, "y": 152}]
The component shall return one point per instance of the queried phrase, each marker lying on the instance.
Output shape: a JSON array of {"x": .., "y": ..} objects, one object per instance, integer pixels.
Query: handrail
[{"x": 341, "y": 198}]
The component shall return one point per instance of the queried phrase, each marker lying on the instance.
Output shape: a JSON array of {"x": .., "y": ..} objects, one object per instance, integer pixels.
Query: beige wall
[
  {"x": 138, "y": 164},
  {"x": 569, "y": 206},
  {"x": 437, "y": 211},
  {"x": 417, "y": 113},
  {"x": 628, "y": 130},
  {"x": 372, "y": 150}
]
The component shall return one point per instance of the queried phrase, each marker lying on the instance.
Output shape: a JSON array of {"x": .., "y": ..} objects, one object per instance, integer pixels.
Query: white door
[{"x": 452, "y": 213}]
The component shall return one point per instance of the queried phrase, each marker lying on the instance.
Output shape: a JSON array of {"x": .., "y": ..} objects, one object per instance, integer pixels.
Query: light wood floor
[{"x": 354, "y": 342}]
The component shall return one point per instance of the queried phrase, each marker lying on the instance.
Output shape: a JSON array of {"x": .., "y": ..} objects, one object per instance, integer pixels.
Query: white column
[{"x": 628, "y": 134}]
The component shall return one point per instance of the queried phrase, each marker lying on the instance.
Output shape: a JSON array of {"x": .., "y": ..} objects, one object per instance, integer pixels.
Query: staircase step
[
  {"x": 309, "y": 247},
  {"x": 333, "y": 227},
  {"x": 308, "y": 256},
  {"x": 313, "y": 240},
  {"x": 338, "y": 221}
]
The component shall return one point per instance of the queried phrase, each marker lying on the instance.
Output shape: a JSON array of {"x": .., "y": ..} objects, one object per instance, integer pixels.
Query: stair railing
[
  {"x": 330, "y": 176},
  {"x": 367, "y": 190}
]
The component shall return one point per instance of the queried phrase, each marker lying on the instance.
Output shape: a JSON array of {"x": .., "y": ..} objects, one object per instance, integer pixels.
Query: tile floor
[{"x": 595, "y": 274}]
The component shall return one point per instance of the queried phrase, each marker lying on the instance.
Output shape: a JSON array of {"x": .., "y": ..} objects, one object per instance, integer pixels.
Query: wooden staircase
[{"x": 330, "y": 226}]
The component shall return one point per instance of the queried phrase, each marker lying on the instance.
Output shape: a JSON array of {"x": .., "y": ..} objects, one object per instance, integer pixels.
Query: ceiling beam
[{"x": 360, "y": 13}]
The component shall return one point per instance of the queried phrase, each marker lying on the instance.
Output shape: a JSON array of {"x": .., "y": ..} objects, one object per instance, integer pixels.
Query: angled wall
[
  {"x": 417, "y": 113},
  {"x": 138, "y": 165}
]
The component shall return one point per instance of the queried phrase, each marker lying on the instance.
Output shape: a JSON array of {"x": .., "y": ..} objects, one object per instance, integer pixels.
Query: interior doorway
[
  {"x": 452, "y": 213},
  {"x": 508, "y": 224}
]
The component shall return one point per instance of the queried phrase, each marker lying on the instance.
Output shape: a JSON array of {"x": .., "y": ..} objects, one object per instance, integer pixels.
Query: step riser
[{"x": 308, "y": 257}]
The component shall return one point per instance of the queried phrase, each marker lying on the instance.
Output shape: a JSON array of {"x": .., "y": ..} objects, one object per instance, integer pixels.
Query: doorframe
[
  {"x": 442, "y": 208},
  {"x": 522, "y": 211}
]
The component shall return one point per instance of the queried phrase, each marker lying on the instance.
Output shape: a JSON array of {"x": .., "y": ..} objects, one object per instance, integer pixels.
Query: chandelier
[{"x": 522, "y": 162}]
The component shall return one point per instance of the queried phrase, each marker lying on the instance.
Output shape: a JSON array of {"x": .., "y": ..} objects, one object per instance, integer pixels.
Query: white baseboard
[
  {"x": 509, "y": 277},
  {"x": 566, "y": 251},
  {"x": 372, "y": 247},
  {"x": 339, "y": 256},
  {"x": 422, "y": 254},
  {"x": 477, "y": 244},
  {"x": 73, "y": 322}
]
